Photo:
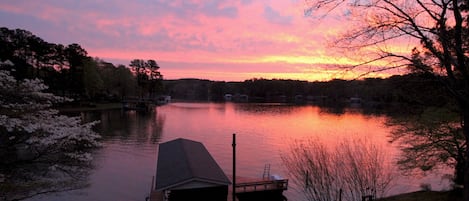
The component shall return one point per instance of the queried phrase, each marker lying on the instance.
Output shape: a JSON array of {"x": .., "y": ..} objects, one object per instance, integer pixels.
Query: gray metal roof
[{"x": 183, "y": 161}]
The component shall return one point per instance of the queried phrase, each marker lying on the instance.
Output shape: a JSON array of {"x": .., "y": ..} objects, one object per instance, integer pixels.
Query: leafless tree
[
  {"x": 354, "y": 168},
  {"x": 436, "y": 29}
]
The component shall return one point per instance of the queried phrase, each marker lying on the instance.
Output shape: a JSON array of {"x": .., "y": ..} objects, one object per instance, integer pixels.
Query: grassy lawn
[{"x": 426, "y": 196}]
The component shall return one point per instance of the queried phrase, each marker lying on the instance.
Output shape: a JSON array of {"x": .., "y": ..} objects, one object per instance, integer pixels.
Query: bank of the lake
[
  {"x": 89, "y": 107},
  {"x": 426, "y": 196}
]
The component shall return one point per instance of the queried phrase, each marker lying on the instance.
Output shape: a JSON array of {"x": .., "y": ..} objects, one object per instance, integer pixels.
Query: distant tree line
[
  {"x": 412, "y": 91},
  {"x": 69, "y": 71}
]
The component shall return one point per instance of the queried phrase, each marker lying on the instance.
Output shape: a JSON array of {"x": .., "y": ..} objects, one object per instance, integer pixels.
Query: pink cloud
[{"x": 258, "y": 37}]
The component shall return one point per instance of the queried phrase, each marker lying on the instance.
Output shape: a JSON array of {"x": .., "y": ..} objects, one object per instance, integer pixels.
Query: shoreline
[
  {"x": 93, "y": 107},
  {"x": 452, "y": 195}
]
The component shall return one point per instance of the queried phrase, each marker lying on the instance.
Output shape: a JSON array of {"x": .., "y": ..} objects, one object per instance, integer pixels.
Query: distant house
[
  {"x": 228, "y": 97},
  {"x": 161, "y": 100},
  {"x": 242, "y": 98},
  {"x": 355, "y": 102},
  {"x": 187, "y": 171},
  {"x": 299, "y": 99}
]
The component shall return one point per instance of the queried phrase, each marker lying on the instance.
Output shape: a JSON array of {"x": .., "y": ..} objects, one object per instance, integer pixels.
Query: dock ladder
[{"x": 266, "y": 174}]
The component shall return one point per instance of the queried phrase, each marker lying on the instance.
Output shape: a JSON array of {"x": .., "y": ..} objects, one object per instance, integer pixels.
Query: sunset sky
[{"x": 208, "y": 39}]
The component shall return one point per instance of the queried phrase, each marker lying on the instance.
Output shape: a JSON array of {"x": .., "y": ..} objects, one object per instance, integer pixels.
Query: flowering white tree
[{"x": 41, "y": 151}]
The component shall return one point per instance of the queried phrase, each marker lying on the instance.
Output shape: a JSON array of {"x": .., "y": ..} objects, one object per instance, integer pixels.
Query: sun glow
[
  {"x": 221, "y": 41},
  {"x": 292, "y": 59}
]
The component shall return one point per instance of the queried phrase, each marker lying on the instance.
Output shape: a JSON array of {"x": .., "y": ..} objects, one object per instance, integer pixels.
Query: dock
[
  {"x": 186, "y": 171},
  {"x": 246, "y": 188},
  {"x": 137, "y": 104},
  {"x": 244, "y": 185},
  {"x": 143, "y": 104}
]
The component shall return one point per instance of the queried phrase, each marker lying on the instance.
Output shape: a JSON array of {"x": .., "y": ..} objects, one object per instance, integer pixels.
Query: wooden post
[
  {"x": 234, "y": 167},
  {"x": 306, "y": 179},
  {"x": 340, "y": 195}
]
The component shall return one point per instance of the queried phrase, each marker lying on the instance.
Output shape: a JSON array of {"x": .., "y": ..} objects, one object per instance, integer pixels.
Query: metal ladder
[{"x": 266, "y": 174}]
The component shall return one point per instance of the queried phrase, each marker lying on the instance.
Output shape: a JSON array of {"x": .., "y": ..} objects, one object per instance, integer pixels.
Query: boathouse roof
[{"x": 186, "y": 164}]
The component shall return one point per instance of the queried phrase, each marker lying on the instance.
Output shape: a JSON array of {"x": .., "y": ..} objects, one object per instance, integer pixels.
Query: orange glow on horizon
[
  {"x": 229, "y": 41},
  {"x": 230, "y": 76},
  {"x": 308, "y": 68}
]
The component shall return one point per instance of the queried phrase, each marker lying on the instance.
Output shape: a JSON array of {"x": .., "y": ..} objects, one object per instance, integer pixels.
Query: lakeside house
[{"x": 163, "y": 99}]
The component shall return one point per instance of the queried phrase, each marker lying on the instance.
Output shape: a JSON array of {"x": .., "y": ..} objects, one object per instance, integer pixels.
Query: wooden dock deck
[
  {"x": 261, "y": 185},
  {"x": 244, "y": 185}
]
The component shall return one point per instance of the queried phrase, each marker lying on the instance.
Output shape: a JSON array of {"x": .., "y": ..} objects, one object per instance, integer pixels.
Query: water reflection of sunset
[{"x": 264, "y": 132}]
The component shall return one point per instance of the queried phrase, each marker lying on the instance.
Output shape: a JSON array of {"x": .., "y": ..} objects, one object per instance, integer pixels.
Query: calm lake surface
[{"x": 127, "y": 161}]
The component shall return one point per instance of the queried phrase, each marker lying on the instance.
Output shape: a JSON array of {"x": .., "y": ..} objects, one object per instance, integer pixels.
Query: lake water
[{"x": 126, "y": 163}]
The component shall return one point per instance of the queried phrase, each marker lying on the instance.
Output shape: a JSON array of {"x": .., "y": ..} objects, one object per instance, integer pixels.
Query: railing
[{"x": 265, "y": 185}]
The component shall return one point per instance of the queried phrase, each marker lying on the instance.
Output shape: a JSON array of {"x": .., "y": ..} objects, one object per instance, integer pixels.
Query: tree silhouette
[
  {"x": 439, "y": 29},
  {"x": 76, "y": 57},
  {"x": 148, "y": 76}
]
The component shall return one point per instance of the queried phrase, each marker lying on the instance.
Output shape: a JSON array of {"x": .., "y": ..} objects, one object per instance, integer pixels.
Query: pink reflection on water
[
  {"x": 265, "y": 131},
  {"x": 126, "y": 163}
]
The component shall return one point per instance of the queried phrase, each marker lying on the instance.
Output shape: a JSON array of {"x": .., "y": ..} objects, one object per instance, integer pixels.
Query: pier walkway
[
  {"x": 243, "y": 186},
  {"x": 261, "y": 185}
]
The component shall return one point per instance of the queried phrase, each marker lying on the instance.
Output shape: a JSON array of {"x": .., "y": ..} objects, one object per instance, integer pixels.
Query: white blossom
[{"x": 31, "y": 124}]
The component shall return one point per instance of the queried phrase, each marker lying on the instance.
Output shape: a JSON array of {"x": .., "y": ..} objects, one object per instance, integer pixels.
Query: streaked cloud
[
  {"x": 275, "y": 17},
  {"x": 211, "y": 39}
]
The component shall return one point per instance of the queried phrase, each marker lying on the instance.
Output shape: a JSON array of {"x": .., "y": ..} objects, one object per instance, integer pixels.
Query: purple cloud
[{"x": 275, "y": 17}]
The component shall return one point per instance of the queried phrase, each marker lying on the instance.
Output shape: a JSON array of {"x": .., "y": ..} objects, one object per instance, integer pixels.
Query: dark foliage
[{"x": 69, "y": 71}]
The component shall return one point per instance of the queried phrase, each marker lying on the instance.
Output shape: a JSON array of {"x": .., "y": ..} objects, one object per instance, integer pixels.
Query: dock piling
[{"x": 234, "y": 167}]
